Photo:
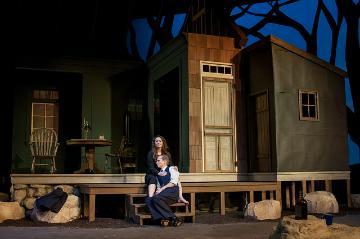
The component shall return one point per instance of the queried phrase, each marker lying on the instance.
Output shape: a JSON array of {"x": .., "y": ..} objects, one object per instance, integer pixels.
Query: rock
[
  {"x": 11, "y": 211},
  {"x": 322, "y": 202},
  {"x": 69, "y": 211},
  {"x": 289, "y": 228},
  {"x": 29, "y": 203},
  {"x": 19, "y": 195},
  {"x": 266, "y": 209}
]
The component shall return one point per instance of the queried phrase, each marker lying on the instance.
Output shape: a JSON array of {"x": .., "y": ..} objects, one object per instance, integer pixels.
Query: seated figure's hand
[
  {"x": 162, "y": 173},
  {"x": 159, "y": 190}
]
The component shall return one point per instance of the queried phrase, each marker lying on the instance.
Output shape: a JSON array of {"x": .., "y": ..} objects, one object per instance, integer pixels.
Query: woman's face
[{"x": 158, "y": 142}]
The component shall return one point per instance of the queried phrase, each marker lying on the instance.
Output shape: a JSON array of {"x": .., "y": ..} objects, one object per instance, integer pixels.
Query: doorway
[{"x": 167, "y": 112}]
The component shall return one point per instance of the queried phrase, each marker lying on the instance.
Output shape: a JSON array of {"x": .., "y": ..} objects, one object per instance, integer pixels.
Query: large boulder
[
  {"x": 266, "y": 209},
  {"x": 313, "y": 227},
  {"x": 321, "y": 202},
  {"x": 69, "y": 211},
  {"x": 11, "y": 211}
]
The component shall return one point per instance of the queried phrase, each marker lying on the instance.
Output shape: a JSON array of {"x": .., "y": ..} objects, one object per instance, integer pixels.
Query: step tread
[
  {"x": 178, "y": 214},
  {"x": 177, "y": 204}
]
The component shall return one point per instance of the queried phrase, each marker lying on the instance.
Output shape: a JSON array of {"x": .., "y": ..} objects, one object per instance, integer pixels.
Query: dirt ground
[{"x": 233, "y": 216}]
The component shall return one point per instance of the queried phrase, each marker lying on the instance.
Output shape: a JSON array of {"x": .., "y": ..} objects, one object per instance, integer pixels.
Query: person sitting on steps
[
  {"x": 167, "y": 193},
  {"x": 159, "y": 147}
]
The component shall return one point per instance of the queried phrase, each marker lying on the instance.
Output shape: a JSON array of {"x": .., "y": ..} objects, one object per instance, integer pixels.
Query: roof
[{"x": 281, "y": 43}]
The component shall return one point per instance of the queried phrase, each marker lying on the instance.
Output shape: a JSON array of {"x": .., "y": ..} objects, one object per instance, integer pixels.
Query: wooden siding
[{"x": 202, "y": 48}]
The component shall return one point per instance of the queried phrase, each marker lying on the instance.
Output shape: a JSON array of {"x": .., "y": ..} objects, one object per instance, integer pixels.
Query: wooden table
[{"x": 90, "y": 145}]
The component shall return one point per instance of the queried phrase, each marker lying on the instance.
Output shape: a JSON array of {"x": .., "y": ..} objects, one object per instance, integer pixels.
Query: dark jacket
[{"x": 52, "y": 201}]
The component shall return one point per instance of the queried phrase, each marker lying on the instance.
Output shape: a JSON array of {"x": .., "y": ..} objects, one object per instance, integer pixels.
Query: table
[{"x": 90, "y": 145}]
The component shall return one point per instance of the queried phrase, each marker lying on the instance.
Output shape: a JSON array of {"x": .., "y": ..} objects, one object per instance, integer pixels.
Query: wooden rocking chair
[{"x": 43, "y": 146}]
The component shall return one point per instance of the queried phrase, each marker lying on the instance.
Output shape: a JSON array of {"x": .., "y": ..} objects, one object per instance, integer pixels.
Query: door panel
[{"x": 218, "y": 125}]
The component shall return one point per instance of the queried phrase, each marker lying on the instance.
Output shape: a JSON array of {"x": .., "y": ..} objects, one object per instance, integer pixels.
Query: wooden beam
[
  {"x": 293, "y": 200},
  {"x": 263, "y": 195},
  {"x": 328, "y": 185},
  {"x": 192, "y": 206},
  {"x": 304, "y": 187},
  {"x": 287, "y": 196},
  {"x": 251, "y": 196},
  {"x": 92, "y": 207},
  {"x": 348, "y": 192},
  {"x": 222, "y": 203},
  {"x": 312, "y": 187}
]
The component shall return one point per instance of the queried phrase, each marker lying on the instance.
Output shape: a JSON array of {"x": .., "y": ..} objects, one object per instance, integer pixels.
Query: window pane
[
  {"x": 213, "y": 69},
  {"x": 205, "y": 68},
  {"x": 221, "y": 69},
  {"x": 304, "y": 98},
  {"x": 312, "y": 112},
  {"x": 39, "y": 122},
  {"x": 50, "y": 122},
  {"x": 39, "y": 109},
  {"x": 227, "y": 70},
  {"x": 305, "y": 112},
  {"x": 311, "y": 99},
  {"x": 50, "y": 109}
]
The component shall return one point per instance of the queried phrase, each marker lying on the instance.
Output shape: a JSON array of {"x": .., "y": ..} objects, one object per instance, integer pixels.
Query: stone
[
  {"x": 11, "y": 211},
  {"x": 19, "y": 195},
  {"x": 70, "y": 211},
  {"x": 29, "y": 203},
  {"x": 262, "y": 210},
  {"x": 321, "y": 202},
  {"x": 313, "y": 227}
]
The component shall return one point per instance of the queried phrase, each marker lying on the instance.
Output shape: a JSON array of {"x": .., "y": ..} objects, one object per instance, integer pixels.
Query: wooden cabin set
[{"x": 268, "y": 119}]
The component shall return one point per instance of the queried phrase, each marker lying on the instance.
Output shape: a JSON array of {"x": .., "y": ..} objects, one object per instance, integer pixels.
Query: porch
[{"x": 267, "y": 185}]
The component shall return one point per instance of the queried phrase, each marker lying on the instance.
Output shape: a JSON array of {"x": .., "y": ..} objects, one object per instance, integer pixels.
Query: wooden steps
[{"x": 136, "y": 209}]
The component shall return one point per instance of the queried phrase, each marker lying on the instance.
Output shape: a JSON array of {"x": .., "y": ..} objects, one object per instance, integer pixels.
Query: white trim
[{"x": 216, "y": 74}]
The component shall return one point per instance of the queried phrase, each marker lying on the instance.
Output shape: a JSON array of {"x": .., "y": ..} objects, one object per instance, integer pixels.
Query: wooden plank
[
  {"x": 287, "y": 196},
  {"x": 92, "y": 207},
  {"x": 271, "y": 195},
  {"x": 328, "y": 185},
  {"x": 251, "y": 196},
  {"x": 348, "y": 192},
  {"x": 222, "y": 203},
  {"x": 304, "y": 186},
  {"x": 278, "y": 193},
  {"x": 263, "y": 195},
  {"x": 312, "y": 186},
  {"x": 192, "y": 205},
  {"x": 293, "y": 200}
]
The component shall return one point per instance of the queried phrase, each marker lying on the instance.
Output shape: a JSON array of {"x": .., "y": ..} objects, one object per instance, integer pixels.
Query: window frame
[
  {"x": 316, "y": 104},
  {"x": 46, "y": 101}
]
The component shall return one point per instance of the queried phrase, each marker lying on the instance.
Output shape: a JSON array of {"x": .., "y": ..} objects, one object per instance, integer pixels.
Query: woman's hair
[{"x": 164, "y": 148}]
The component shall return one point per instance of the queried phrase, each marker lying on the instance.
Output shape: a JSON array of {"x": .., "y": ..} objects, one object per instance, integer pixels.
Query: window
[
  {"x": 216, "y": 69},
  {"x": 45, "y": 110},
  {"x": 309, "y": 105}
]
